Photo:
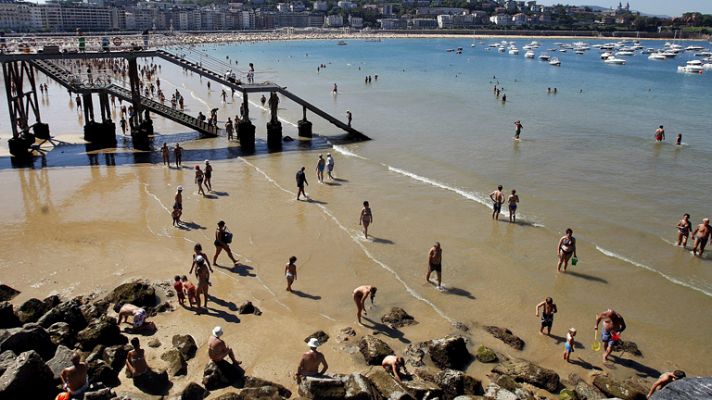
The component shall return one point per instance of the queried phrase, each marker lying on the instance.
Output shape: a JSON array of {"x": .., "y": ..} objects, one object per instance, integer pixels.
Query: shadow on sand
[
  {"x": 642, "y": 371},
  {"x": 458, "y": 292},
  {"x": 238, "y": 268},
  {"x": 382, "y": 329},
  {"x": 306, "y": 295},
  {"x": 586, "y": 276},
  {"x": 380, "y": 240},
  {"x": 585, "y": 364}
]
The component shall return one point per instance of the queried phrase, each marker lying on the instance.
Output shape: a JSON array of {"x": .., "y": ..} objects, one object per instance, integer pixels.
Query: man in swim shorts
[
  {"x": 311, "y": 362},
  {"x": 435, "y": 262},
  {"x": 702, "y": 235},
  {"x": 613, "y": 326},
  {"x": 548, "y": 309},
  {"x": 660, "y": 134},
  {"x": 74, "y": 379},
  {"x": 497, "y": 199}
]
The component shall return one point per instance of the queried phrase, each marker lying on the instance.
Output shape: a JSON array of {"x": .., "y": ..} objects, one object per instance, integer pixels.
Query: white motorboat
[
  {"x": 657, "y": 57},
  {"x": 513, "y": 51},
  {"x": 562, "y": 50},
  {"x": 527, "y": 47},
  {"x": 626, "y": 53},
  {"x": 341, "y": 43},
  {"x": 579, "y": 52},
  {"x": 544, "y": 57},
  {"x": 615, "y": 61},
  {"x": 707, "y": 66},
  {"x": 529, "y": 54},
  {"x": 669, "y": 54},
  {"x": 694, "y": 48},
  {"x": 555, "y": 62},
  {"x": 692, "y": 67},
  {"x": 501, "y": 49},
  {"x": 703, "y": 54},
  {"x": 605, "y": 55}
]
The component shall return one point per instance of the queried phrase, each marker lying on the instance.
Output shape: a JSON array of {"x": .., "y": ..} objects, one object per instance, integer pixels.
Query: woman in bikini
[
  {"x": 290, "y": 272},
  {"x": 684, "y": 226},
  {"x": 223, "y": 237},
  {"x": 198, "y": 252},
  {"x": 566, "y": 249},
  {"x": 361, "y": 294},
  {"x": 199, "y": 176},
  {"x": 366, "y": 218}
]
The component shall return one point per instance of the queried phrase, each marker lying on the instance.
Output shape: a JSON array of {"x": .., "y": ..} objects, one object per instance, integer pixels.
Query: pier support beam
[
  {"x": 274, "y": 135},
  {"x": 21, "y": 102},
  {"x": 304, "y": 126},
  {"x": 246, "y": 135}
]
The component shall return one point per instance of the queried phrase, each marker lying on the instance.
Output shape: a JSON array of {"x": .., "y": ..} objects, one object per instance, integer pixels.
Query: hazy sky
[{"x": 664, "y": 7}]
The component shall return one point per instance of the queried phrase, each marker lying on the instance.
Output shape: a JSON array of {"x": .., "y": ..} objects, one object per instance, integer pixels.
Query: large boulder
[
  {"x": 153, "y": 382},
  {"x": 252, "y": 382},
  {"x": 29, "y": 337},
  {"x": 96, "y": 309},
  {"x": 176, "y": 363},
  {"x": 193, "y": 391},
  {"x": 495, "y": 392},
  {"x": 62, "y": 359},
  {"x": 99, "y": 371},
  {"x": 105, "y": 332},
  {"x": 374, "y": 350},
  {"x": 69, "y": 312},
  {"x": 686, "y": 389},
  {"x": 321, "y": 336},
  {"x": 218, "y": 375},
  {"x": 115, "y": 356},
  {"x": 625, "y": 390},
  {"x": 357, "y": 387},
  {"x": 455, "y": 383},
  {"x": 388, "y": 387},
  {"x": 583, "y": 390},
  {"x": 506, "y": 336},
  {"x": 421, "y": 389},
  {"x": 525, "y": 371},
  {"x": 259, "y": 393},
  {"x": 8, "y": 319},
  {"x": 101, "y": 394},
  {"x": 138, "y": 293},
  {"x": 415, "y": 353},
  {"x": 322, "y": 388},
  {"x": 186, "y": 345},
  {"x": 485, "y": 354},
  {"x": 345, "y": 334},
  {"x": 449, "y": 352},
  {"x": 32, "y": 310},
  {"x": 398, "y": 318},
  {"x": 27, "y": 378},
  {"x": 7, "y": 293},
  {"x": 7, "y": 358},
  {"x": 62, "y": 333}
]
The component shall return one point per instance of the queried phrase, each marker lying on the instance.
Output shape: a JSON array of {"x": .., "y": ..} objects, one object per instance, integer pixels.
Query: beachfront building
[
  {"x": 320, "y": 5},
  {"x": 422, "y": 23},
  {"x": 392, "y": 23},
  {"x": 519, "y": 19},
  {"x": 346, "y": 5},
  {"x": 355, "y": 22},
  {"x": 334, "y": 21},
  {"x": 445, "y": 21},
  {"x": 501, "y": 19}
]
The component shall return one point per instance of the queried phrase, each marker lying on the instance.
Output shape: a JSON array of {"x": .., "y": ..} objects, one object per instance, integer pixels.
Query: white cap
[
  {"x": 180, "y": 188},
  {"x": 207, "y": 161},
  {"x": 199, "y": 259},
  {"x": 217, "y": 331},
  {"x": 313, "y": 343}
]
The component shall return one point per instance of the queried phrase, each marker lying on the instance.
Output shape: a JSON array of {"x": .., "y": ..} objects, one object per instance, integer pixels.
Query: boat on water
[
  {"x": 669, "y": 54},
  {"x": 373, "y": 40},
  {"x": 529, "y": 54},
  {"x": 579, "y": 52},
  {"x": 555, "y": 62},
  {"x": 605, "y": 55},
  {"x": 626, "y": 53},
  {"x": 450, "y": 50},
  {"x": 341, "y": 43},
  {"x": 694, "y": 48},
  {"x": 703, "y": 54},
  {"x": 501, "y": 49},
  {"x": 692, "y": 67},
  {"x": 544, "y": 57},
  {"x": 614, "y": 61},
  {"x": 514, "y": 51},
  {"x": 657, "y": 57}
]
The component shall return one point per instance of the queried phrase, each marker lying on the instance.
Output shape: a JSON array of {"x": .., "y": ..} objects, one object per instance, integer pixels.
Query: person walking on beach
[
  {"x": 263, "y": 100},
  {"x": 165, "y": 154},
  {"x": 393, "y": 365},
  {"x": 548, "y": 309},
  {"x": 512, "y": 201},
  {"x": 290, "y": 272},
  {"x": 301, "y": 181},
  {"x": 361, "y": 294},
  {"x": 179, "y": 155},
  {"x": 497, "y": 198},
  {"x": 566, "y": 249},
  {"x": 208, "y": 176},
  {"x": 178, "y": 206},
  {"x": 435, "y": 258},
  {"x": 330, "y": 166},
  {"x": 660, "y": 134},
  {"x": 199, "y": 177},
  {"x": 320, "y": 165},
  {"x": 366, "y": 218},
  {"x": 683, "y": 230},
  {"x": 517, "y": 129},
  {"x": 665, "y": 379},
  {"x": 223, "y": 238},
  {"x": 228, "y": 128},
  {"x": 313, "y": 363},
  {"x": 569, "y": 344},
  {"x": 335, "y": 90},
  {"x": 75, "y": 377},
  {"x": 349, "y": 117},
  {"x": 702, "y": 234},
  {"x": 613, "y": 326},
  {"x": 218, "y": 349}
]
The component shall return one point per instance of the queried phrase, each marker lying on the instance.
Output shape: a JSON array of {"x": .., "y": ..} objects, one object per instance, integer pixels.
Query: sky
[{"x": 672, "y": 8}]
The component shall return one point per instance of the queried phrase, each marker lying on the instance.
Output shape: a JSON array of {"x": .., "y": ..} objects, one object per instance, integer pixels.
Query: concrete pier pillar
[
  {"x": 304, "y": 126},
  {"x": 274, "y": 135},
  {"x": 246, "y": 135}
]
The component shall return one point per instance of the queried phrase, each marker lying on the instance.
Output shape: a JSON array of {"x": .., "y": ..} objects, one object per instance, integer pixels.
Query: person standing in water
[
  {"x": 199, "y": 177},
  {"x": 330, "y": 166},
  {"x": 178, "y": 206},
  {"x": 223, "y": 238},
  {"x": 678, "y": 141},
  {"x": 320, "y": 165},
  {"x": 179, "y": 155},
  {"x": 702, "y": 234},
  {"x": 683, "y": 230},
  {"x": 290, "y": 272},
  {"x": 497, "y": 198},
  {"x": 512, "y": 201},
  {"x": 301, "y": 181},
  {"x": 366, "y": 218},
  {"x": 335, "y": 90},
  {"x": 349, "y": 117},
  {"x": 548, "y": 309},
  {"x": 361, "y": 294},
  {"x": 566, "y": 249},
  {"x": 517, "y": 129},
  {"x": 660, "y": 134},
  {"x": 208, "y": 176},
  {"x": 435, "y": 258},
  {"x": 569, "y": 345},
  {"x": 165, "y": 154},
  {"x": 613, "y": 326}
]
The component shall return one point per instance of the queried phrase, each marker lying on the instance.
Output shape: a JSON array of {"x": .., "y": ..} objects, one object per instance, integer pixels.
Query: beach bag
[{"x": 227, "y": 237}]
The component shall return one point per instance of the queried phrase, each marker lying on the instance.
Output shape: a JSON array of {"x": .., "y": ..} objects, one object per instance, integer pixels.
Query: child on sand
[
  {"x": 290, "y": 272},
  {"x": 178, "y": 286},
  {"x": 569, "y": 345},
  {"x": 189, "y": 290}
]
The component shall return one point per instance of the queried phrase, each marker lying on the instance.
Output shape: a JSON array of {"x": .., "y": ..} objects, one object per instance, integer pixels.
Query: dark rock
[
  {"x": 61, "y": 333},
  {"x": 186, "y": 345},
  {"x": 218, "y": 375},
  {"x": 27, "y": 378},
  {"x": 374, "y": 350},
  {"x": 388, "y": 387},
  {"x": 449, "y": 352},
  {"x": 229, "y": 396},
  {"x": 495, "y": 392},
  {"x": 154, "y": 343},
  {"x": 153, "y": 382},
  {"x": 259, "y": 393},
  {"x": 95, "y": 310},
  {"x": 52, "y": 301},
  {"x": 321, "y": 336},
  {"x": 252, "y": 382},
  {"x": 625, "y": 390},
  {"x": 485, "y": 354},
  {"x": 101, "y": 394},
  {"x": 7, "y": 358},
  {"x": 415, "y": 353},
  {"x": 460, "y": 326},
  {"x": 525, "y": 371},
  {"x": 32, "y": 310},
  {"x": 176, "y": 363},
  {"x": 288, "y": 138},
  {"x": 345, "y": 334},
  {"x": 193, "y": 391},
  {"x": 584, "y": 391},
  {"x": 69, "y": 312},
  {"x": 104, "y": 331},
  {"x": 507, "y": 382},
  {"x": 61, "y": 360},
  {"x": 140, "y": 294},
  {"x": 627, "y": 346},
  {"x": 455, "y": 383},
  {"x": 686, "y": 389},
  {"x": 8, "y": 319},
  {"x": 115, "y": 356},
  {"x": 357, "y": 387},
  {"x": 421, "y": 389},
  {"x": 96, "y": 354},
  {"x": 99, "y": 371},
  {"x": 506, "y": 336},
  {"x": 7, "y": 293},
  {"x": 398, "y": 318},
  {"x": 29, "y": 337},
  {"x": 322, "y": 388}
]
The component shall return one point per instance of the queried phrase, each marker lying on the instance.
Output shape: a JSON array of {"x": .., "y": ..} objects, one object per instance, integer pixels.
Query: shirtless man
[
  {"x": 138, "y": 315},
  {"x": 548, "y": 309},
  {"x": 361, "y": 294},
  {"x": 613, "y": 325},
  {"x": 165, "y": 154},
  {"x": 660, "y": 134},
  {"x": 74, "y": 378},
  {"x": 702, "y": 234},
  {"x": 217, "y": 349},
  {"x": 665, "y": 379},
  {"x": 311, "y": 361},
  {"x": 517, "y": 129},
  {"x": 435, "y": 257},
  {"x": 178, "y": 206},
  {"x": 290, "y": 272},
  {"x": 179, "y": 155},
  {"x": 393, "y": 364},
  {"x": 683, "y": 230},
  {"x": 512, "y": 201},
  {"x": 136, "y": 360},
  {"x": 497, "y": 199}
]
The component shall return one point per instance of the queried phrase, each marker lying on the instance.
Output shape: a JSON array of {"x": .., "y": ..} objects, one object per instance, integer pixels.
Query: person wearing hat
[
  {"x": 311, "y": 361},
  {"x": 217, "y": 349},
  {"x": 178, "y": 206},
  {"x": 208, "y": 175}
]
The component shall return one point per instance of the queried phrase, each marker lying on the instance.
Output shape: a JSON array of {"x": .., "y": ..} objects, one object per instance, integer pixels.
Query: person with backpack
[{"x": 223, "y": 238}]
